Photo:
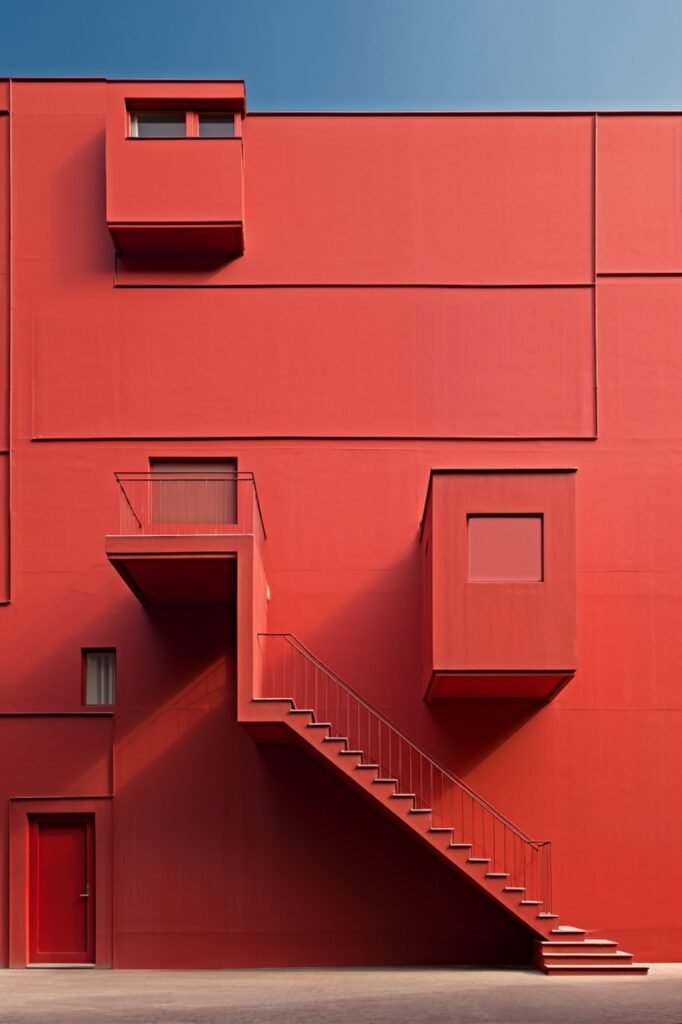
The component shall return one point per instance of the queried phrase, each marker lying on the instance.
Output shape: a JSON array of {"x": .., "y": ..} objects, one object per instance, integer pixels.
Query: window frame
[
  {"x": 516, "y": 580},
  {"x": 85, "y": 651},
  {"x": 192, "y": 126}
]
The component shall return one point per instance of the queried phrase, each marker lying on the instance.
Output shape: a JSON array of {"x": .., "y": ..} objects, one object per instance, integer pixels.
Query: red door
[{"x": 61, "y": 890}]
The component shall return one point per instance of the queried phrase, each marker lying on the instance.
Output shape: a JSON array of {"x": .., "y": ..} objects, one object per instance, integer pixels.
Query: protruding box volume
[
  {"x": 174, "y": 169},
  {"x": 499, "y": 583}
]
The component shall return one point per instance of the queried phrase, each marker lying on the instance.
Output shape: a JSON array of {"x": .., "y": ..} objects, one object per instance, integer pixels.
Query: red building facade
[{"x": 339, "y": 557}]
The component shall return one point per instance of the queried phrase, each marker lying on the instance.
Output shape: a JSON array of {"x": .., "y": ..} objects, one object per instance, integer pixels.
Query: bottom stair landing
[{"x": 568, "y": 952}]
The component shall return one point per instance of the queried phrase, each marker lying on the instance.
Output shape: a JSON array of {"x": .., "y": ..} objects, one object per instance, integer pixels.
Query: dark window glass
[
  {"x": 158, "y": 124},
  {"x": 100, "y": 676},
  {"x": 216, "y": 126}
]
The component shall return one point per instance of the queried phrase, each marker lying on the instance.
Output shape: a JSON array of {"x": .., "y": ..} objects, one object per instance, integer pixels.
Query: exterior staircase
[{"x": 309, "y": 705}]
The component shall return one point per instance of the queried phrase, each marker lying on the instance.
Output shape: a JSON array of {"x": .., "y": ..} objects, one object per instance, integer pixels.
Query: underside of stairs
[{"x": 474, "y": 840}]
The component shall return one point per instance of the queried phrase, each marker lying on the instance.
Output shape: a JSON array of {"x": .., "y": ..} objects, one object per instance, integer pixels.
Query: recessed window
[
  {"x": 158, "y": 124},
  {"x": 99, "y": 675},
  {"x": 181, "y": 124},
  {"x": 216, "y": 126},
  {"x": 197, "y": 491},
  {"x": 505, "y": 548}
]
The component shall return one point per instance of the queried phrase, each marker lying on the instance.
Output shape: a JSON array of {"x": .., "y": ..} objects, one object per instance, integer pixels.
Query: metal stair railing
[
  {"x": 291, "y": 671},
  {"x": 188, "y": 502}
]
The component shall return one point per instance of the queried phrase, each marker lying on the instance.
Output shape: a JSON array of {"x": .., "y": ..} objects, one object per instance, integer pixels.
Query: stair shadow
[
  {"x": 465, "y": 733},
  {"x": 374, "y": 643},
  {"x": 389, "y": 899}
]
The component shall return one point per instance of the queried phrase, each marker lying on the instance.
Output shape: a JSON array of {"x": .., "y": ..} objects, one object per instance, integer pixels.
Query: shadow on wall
[
  {"x": 465, "y": 733},
  {"x": 374, "y": 643},
  {"x": 281, "y": 864},
  {"x": 158, "y": 649},
  {"x": 80, "y": 184},
  {"x": 372, "y": 638}
]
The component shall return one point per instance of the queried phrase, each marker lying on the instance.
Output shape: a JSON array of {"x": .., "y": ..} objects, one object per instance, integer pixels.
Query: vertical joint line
[{"x": 595, "y": 344}]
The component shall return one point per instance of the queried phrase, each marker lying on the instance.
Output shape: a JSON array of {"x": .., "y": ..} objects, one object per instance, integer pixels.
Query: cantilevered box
[
  {"x": 175, "y": 196},
  {"x": 498, "y": 550}
]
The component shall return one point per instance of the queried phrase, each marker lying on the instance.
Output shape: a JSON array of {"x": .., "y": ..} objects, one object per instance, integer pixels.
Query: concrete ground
[{"x": 354, "y": 996}]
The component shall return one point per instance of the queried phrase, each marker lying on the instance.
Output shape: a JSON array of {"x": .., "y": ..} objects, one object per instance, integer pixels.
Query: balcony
[{"x": 180, "y": 533}]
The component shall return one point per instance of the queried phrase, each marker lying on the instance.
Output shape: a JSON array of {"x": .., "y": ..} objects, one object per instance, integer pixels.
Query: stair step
[
  {"x": 403, "y": 796},
  {"x": 479, "y": 860},
  {"x": 497, "y": 874},
  {"x": 420, "y": 810},
  {"x": 440, "y": 828},
  {"x": 334, "y": 739},
  {"x": 596, "y": 968},
  {"x": 319, "y": 725},
  {"x": 384, "y": 781},
  {"x": 352, "y": 753},
  {"x": 567, "y": 929},
  {"x": 548, "y": 917},
  {"x": 460, "y": 846},
  {"x": 578, "y": 943},
  {"x": 374, "y": 767},
  {"x": 302, "y": 711},
  {"x": 531, "y": 903},
  {"x": 596, "y": 957},
  {"x": 514, "y": 888}
]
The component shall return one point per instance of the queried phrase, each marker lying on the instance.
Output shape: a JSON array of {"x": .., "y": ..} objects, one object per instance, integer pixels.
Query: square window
[
  {"x": 505, "y": 547},
  {"x": 158, "y": 124},
  {"x": 216, "y": 126},
  {"x": 99, "y": 676}
]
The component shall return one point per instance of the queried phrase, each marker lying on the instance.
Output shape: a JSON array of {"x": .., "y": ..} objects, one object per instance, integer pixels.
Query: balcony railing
[
  {"x": 290, "y": 670},
  {"x": 188, "y": 503}
]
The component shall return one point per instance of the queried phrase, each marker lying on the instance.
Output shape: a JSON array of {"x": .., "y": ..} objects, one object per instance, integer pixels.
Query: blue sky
[{"x": 367, "y": 54}]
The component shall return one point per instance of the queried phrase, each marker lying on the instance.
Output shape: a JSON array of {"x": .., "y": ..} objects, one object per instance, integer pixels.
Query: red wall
[{"x": 416, "y": 292}]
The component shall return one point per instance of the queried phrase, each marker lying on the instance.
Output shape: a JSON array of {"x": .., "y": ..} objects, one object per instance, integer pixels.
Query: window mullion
[{"x": 191, "y": 124}]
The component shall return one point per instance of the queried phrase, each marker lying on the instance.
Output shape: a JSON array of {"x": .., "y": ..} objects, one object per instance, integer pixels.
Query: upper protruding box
[{"x": 181, "y": 195}]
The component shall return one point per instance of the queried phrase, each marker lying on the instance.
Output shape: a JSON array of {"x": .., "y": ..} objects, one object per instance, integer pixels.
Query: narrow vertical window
[{"x": 99, "y": 676}]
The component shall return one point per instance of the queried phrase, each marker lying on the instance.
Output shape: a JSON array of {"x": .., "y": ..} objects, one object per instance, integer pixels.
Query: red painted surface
[
  {"x": 61, "y": 890},
  {"x": 378, "y": 369},
  {"x": 638, "y": 188},
  {"x": 365, "y": 338}
]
